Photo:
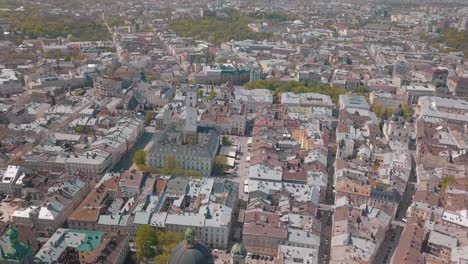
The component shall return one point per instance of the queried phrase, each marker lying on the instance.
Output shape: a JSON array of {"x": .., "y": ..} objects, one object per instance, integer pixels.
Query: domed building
[
  {"x": 190, "y": 251},
  {"x": 238, "y": 253}
]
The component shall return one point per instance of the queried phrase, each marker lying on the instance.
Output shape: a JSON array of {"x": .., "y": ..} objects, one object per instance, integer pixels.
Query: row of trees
[
  {"x": 275, "y": 16},
  {"x": 382, "y": 112},
  {"x": 292, "y": 86},
  {"x": 149, "y": 117},
  {"x": 170, "y": 166},
  {"x": 217, "y": 30},
  {"x": 154, "y": 246},
  {"x": 386, "y": 112},
  {"x": 219, "y": 165},
  {"x": 32, "y": 24},
  {"x": 456, "y": 41}
]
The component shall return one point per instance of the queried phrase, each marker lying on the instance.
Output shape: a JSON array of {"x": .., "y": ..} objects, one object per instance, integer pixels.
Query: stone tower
[{"x": 191, "y": 104}]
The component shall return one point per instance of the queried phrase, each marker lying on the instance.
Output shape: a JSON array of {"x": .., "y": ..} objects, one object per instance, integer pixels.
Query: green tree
[
  {"x": 406, "y": 110},
  {"x": 445, "y": 182},
  {"x": 170, "y": 164},
  {"x": 278, "y": 87},
  {"x": 200, "y": 93},
  {"x": 382, "y": 112},
  {"x": 166, "y": 242},
  {"x": 145, "y": 242},
  {"x": 219, "y": 164},
  {"x": 221, "y": 60},
  {"x": 217, "y": 29},
  {"x": 149, "y": 117},
  {"x": 457, "y": 41},
  {"x": 115, "y": 21},
  {"x": 140, "y": 157},
  {"x": 226, "y": 141},
  {"x": 211, "y": 96},
  {"x": 361, "y": 89},
  {"x": 79, "y": 129},
  {"x": 388, "y": 113}
]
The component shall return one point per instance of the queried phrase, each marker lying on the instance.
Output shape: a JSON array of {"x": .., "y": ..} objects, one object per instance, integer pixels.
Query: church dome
[
  {"x": 238, "y": 250},
  {"x": 190, "y": 251}
]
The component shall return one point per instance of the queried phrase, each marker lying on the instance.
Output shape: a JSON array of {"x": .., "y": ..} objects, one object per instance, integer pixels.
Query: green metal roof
[{"x": 92, "y": 240}]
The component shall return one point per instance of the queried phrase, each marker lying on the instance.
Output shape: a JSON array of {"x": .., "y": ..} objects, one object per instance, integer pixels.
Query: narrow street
[
  {"x": 327, "y": 216},
  {"x": 388, "y": 246},
  {"x": 126, "y": 161}
]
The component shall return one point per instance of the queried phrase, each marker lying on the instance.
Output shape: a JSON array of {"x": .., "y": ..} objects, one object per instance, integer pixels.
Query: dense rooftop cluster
[{"x": 264, "y": 131}]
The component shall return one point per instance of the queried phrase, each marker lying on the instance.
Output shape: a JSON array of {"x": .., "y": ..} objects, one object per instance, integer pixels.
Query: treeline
[
  {"x": 116, "y": 21},
  {"x": 458, "y": 41},
  {"x": 217, "y": 30},
  {"x": 275, "y": 16},
  {"x": 154, "y": 246},
  {"x": 33, "y": 25},
  {"x": 278, "y": 87}
]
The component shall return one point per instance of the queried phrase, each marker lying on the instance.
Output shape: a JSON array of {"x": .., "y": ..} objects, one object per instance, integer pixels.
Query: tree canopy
[
  {"x": 217, "y": 30},
  {"x": 172, "y": 168},
  {"x": 226, "y": 141},
  {"x": 145, "y": 242},
  {"x": 211, "y": 96},
  {"x": 149, "y": 117},
  {"x": 140, "y": 157},
  {"x": 455, "y": 40},
  {"x": 275, "y": 16},
  {"x": 33, "y": 25},
  {"x": 115, "y": 21},
  {"x": 381, "y": 111},
  {"x": 154, "y": 245},
  {"x": 219, "y": 164},
  {"x": 79, "y": 129},
  {"x": 296, "y": 87},
  {"x": 166, "y": 242},
  {"x": 406, "y": 110}
]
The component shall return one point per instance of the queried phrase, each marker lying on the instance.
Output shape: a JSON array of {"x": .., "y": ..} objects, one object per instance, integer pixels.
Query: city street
[
  {"x": 388, "y": 246},
  {"x": 126, "y": 161},
  {"x": 327, "y": 216},
  {"x": 241, "y": 173}
]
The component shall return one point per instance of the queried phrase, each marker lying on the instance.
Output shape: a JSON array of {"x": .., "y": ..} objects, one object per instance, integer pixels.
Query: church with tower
[
  {"x": 192, "y": 146},
  {"x": 191, "y": 251}
]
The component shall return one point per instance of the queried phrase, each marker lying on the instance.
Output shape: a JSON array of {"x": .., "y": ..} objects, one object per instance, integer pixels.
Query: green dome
[
  {"x": 238, "y": 250},
  {"x": 190, "y": 251}
]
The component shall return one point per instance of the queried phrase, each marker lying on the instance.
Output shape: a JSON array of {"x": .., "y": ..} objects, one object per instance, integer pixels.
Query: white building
[
  {"x": 437, "y": 109},
  {"x": 91, "y": 163},
  {"x": 11, "y": 183},
  {"x": 9, "y": 83},
  {"x": 352, "y": 101}
]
